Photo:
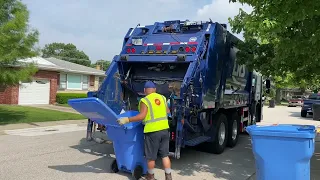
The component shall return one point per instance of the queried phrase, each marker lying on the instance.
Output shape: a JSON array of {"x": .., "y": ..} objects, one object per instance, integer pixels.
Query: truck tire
[
  {"x": 304, "y": 113},
  {"x": 220, "y": 126},
  {"x": 234, "y": 130}
]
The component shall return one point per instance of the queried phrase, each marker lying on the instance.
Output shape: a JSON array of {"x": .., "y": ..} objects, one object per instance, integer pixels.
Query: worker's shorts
[{"x": 156, "y": 143}]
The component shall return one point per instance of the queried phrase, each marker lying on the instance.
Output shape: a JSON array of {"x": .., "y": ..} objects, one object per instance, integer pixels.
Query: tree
[
  {"x": 17, "y": 41},
  {"x": 102, "y": 63},
  {"x": 280, "y": 37},
  {"x": 67, "y": 52}
]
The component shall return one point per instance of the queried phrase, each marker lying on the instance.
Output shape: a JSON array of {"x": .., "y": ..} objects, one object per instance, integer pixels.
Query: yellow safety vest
[{"x": 156, "y": 118}]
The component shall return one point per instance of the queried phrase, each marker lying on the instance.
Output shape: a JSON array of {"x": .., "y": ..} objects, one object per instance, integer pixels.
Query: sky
[{"x": 98, "y": 27}]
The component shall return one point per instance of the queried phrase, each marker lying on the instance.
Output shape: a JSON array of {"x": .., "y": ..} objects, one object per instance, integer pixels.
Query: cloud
[
  {"x": 221, "y": 10},
  {"x": 98, "y": 27}
]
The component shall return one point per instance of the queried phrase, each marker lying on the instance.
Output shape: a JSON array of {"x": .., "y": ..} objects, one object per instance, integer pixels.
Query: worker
[
  {"x": 174, "y": 88},
  {"x": 153, "y": 112}
]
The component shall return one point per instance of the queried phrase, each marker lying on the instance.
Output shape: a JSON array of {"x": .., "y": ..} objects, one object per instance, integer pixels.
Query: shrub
[{"x": 62, "y": 98}]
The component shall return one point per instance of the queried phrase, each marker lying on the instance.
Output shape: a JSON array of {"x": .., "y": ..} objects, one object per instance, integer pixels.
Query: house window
[
  {"x": 74, "y": 82},
  {"x": 63, "y": 81},
  {"x": 85, "y": 82}
]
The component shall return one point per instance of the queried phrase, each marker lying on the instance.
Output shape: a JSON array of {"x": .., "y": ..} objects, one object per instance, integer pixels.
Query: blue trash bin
[
  {"x": 128, "y": 147},
  {"x": 128, "y": 140},
  {"x": 282, "y": 152}
]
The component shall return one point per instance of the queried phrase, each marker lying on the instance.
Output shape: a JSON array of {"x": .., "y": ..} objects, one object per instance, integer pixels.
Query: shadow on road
[
  {"x": 100, "y": 165},
  {"x": 234, "y": 163},
  {"x": 9, "y": 117},
  {"x": 298, "y": 115}
]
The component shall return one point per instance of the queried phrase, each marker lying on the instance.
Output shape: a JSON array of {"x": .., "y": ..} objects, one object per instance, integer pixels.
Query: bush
[{"x": 62, "y": 98}]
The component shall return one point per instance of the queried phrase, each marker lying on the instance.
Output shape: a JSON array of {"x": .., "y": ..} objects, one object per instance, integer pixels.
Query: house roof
[{"x": 55, "y": 64}]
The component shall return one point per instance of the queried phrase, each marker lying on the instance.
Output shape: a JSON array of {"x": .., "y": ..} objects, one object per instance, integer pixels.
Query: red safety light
[
  {"x": 133, "y": 50},
  {"x": 128, "y": 50},
  {"x": 193, "y": 49},
  {"x": 187, "y": 49}
]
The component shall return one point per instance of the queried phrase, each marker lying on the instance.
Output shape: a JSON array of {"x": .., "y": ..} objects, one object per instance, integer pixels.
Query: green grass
[{"x": 23, "y": 114}]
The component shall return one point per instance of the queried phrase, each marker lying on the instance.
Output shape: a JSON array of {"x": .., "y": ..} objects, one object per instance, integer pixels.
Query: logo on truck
[
  {"x": 239, "y": 71},
  {"x": 193, "y": 39}
]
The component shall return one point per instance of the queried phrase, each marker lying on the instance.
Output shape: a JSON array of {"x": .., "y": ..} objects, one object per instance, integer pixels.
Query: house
[{"x": 54, "y": 75}]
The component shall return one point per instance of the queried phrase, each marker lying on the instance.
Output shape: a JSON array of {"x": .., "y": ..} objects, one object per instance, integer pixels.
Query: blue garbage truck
[{"x": 194, "y": 64}]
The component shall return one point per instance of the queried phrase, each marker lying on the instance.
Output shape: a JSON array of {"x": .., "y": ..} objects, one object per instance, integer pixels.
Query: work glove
[{"x": 123, "y": 120}]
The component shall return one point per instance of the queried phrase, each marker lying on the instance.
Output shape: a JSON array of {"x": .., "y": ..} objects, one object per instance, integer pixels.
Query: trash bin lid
[
  {"x": 283, "y": 130},
  {"x": 94, "y": 109}
]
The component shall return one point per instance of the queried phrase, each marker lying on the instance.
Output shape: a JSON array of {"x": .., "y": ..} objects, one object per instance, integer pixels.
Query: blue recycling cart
[
  {"x": 282, "y": 152},
  {"x": 127, "y": 139}
]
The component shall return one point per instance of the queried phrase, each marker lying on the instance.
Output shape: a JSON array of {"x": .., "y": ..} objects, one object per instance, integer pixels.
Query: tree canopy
[
  {"x": 17, "y": 41},
  {"x": 281, "y": 37},
  {"x": 67, "y": 52},
  {"x": 104, "y": 64}
]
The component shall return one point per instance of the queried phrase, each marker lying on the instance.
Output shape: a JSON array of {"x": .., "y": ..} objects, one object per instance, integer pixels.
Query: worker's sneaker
[
  {"x": 150, "y": 177},
  {"x": 168, "y": 176}
]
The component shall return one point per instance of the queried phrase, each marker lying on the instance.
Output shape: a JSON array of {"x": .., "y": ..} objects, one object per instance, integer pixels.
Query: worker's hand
[{"x": 123, "y": 120}]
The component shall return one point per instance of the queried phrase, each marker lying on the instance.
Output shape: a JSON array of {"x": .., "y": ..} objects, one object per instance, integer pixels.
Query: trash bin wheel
[
  {"x": 137, "y": 172},
  {"x": 114, "y": 166}
]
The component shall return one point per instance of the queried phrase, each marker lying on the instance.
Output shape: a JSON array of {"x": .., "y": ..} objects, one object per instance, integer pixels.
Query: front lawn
[{"x": 10, "y": 114}]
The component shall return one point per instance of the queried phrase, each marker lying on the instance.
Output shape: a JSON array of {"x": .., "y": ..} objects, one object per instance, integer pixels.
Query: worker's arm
[
  {"x": 168, "y": 110},
  {"x": 141, "y": 115}
]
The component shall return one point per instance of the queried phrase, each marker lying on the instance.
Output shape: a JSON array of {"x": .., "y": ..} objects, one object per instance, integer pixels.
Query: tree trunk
[{"x": 278, "y": 96}]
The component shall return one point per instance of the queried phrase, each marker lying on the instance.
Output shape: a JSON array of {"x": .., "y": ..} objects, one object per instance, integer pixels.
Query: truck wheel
[
  {"x": 220, "y": 125},
  {"x": 304, "y": 113},
  {"x": 234, "y": 129}
]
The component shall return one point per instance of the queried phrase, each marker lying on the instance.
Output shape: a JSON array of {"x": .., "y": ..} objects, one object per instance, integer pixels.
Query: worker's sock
[
  {"x": 150, "y": 171},
  {"x": 167, "y": 170}
]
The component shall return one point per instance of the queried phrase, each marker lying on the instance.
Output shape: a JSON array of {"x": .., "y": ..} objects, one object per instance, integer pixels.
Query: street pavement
[{"x": 47, "y": 151}]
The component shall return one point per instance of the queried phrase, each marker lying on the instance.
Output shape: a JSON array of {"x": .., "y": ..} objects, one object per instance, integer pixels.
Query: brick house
[{"x": 54, "y": 75}]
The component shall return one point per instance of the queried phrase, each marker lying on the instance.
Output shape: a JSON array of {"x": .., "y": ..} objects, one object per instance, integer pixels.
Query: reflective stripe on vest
[{"x": 151, "y": 112}]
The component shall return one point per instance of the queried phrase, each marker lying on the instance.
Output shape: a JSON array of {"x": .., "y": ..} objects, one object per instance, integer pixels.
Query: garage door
[{"x": 36, "y": 92}]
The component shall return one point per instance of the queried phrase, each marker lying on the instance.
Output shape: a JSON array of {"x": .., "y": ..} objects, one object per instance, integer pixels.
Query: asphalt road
[{"x": 55, "y": 153}]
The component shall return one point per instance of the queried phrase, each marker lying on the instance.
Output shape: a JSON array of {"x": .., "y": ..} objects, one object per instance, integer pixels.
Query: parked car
[
  {"x": 295, "y": 101},
  {"x": 307, "y": 104}
]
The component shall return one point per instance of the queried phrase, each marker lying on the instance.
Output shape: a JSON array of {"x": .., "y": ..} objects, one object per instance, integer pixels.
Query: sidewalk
[
  {"x": 40, "y": 124},
  {"x": 57, "y": 108}
]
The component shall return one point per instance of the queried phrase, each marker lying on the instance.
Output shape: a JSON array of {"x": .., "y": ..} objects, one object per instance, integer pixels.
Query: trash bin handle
[{"x": 306, "y": 128}]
